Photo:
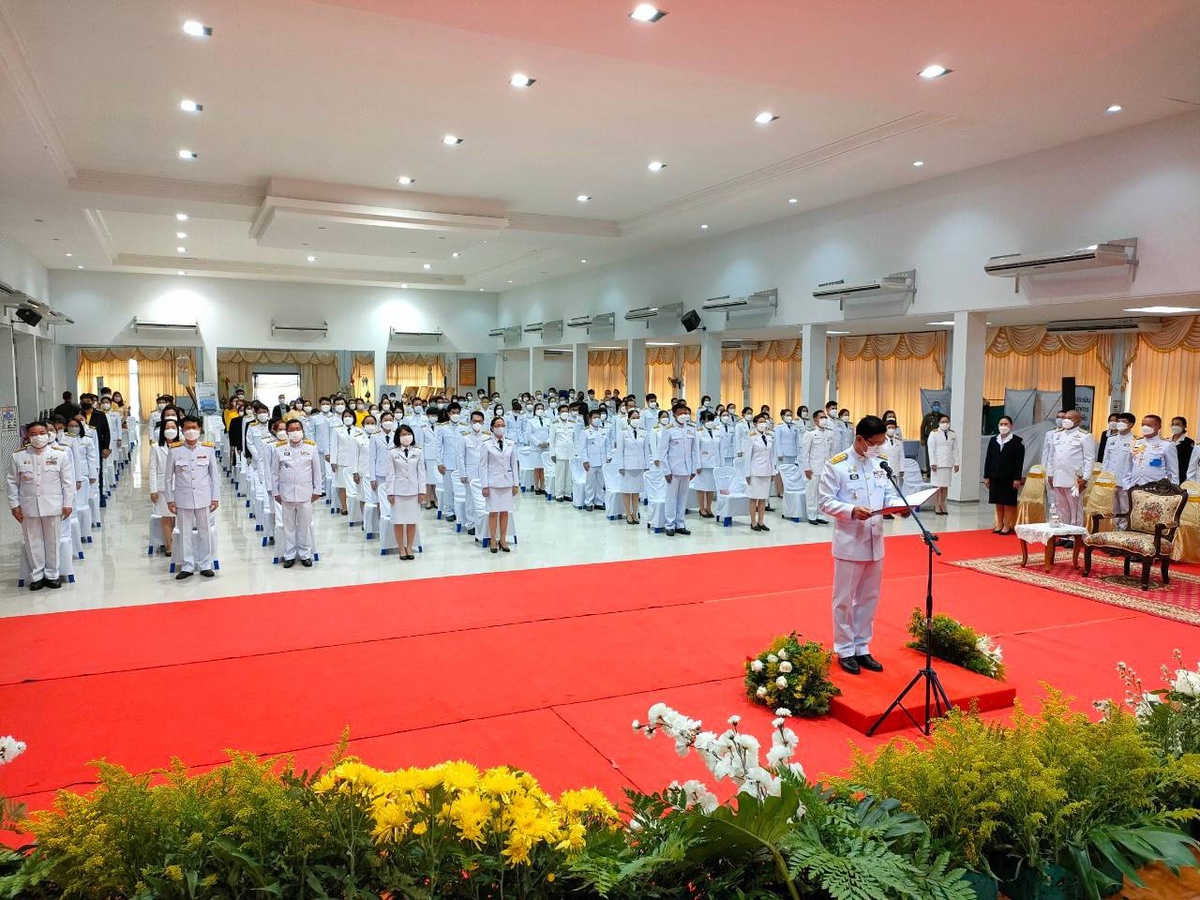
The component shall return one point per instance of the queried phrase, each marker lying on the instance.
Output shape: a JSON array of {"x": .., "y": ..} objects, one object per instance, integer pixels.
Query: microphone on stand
[{"x": 886, "y": 468}]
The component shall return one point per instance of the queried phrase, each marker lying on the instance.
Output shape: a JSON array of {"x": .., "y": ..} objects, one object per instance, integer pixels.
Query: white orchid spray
[{"x": 10, "y": 749}]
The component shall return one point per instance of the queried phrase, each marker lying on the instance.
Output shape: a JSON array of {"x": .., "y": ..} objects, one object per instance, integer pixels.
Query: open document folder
[{"x": 914, "y": 500}]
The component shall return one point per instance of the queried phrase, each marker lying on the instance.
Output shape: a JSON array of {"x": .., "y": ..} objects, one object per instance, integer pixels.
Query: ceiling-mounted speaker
[
  {"x": 29, "y": 316},
  {"x": 690, "y": 320}
]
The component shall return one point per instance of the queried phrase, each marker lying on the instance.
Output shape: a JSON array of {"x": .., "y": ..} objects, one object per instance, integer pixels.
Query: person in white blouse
[
  {"x": 537, "y": 436},
  {"x": 159, "y": 450},
  {"x": 343, "y": 457},
  {"x": 945, "y": 457},
  {"x": 499, "y": 479},
  {"x": 760, "y": 468},
  {"x": 634, "y": 455},
  {"x": 405, "y": 487},
  {"x": 705, "y": 484}
]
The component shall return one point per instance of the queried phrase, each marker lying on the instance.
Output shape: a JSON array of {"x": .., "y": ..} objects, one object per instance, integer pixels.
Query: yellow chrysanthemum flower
[
  {"x": 500, "y": 782},
  {"x": 391, "y": 824}
]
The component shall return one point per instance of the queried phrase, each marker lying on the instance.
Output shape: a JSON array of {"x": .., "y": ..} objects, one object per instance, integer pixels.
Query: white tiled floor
[{"x": 118, "y": 572}]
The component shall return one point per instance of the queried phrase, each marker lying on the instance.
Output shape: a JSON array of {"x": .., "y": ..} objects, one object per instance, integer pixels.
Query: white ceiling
[{"x": 338, "y": 98}]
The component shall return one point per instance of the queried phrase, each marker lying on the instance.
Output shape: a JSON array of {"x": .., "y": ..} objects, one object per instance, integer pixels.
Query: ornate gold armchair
[{"x": 1153, "y": 518}]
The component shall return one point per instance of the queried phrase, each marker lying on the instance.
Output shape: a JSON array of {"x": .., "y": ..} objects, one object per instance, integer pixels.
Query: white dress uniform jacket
[
  {"x": 787, "y": 441},
  {"x": 1152, "y": 459},
  {"x": 41, "y": 482},
  {"x": 760, "y": 454},
  {"x": 498, "y": 469},
  {"x": 945, "y": 452},
  {"x": 1118, "y": 456},
  {"x": 407, "y": 476},
  {"x": 192, "y": 487},
  {"x": 678, "y": 454},
  {"x": 298, "y": 475}
]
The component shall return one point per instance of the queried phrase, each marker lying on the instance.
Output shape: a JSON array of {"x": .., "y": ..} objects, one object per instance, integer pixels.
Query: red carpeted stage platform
[{"x": 543, "y": 669}]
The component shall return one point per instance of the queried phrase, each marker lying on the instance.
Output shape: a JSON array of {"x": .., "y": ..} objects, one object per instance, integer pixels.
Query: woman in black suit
[{"x": 1003, "y": 472}]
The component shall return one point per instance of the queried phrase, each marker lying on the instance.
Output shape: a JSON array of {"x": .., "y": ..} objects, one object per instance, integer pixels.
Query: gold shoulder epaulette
[
  {"x": 310, "y": 443},
  {"x": 837, "y": 459},
  {"x": 175, "y": 444},
  {"x": 281, "y": 443},
  {"x": 207, "y": 444}
]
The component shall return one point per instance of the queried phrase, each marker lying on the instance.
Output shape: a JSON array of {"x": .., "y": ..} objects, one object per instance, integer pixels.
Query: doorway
[{"x": 269, "y": 385}]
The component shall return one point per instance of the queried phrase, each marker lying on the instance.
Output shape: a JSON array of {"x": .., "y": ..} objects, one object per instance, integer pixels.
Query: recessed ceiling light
[
  {"x": 949, "y": 322},
  {"x": 704, "y": 228},
  {"x": 583, "y": 198},
  {"x": 510, "y": 281},
  {"x": 197, "y": 29},
  {"x": 70, "y": 254},
  {"x": 181, "y": 272},
  {"x": 181, "y": 249},
  {"x": 917, "y": 163},
  {"x": 837, "y": 332},
  {"x": 1163, "y": 310},
  {"x": 1115, "y": 108},
  {"x": 312, "y": 259},
  {"x": 584, "y": 261},
  {"x": 793, "y": 200},
  {"x": 481, "y": 290},
  {"x": 455, "y": 254},
  {"x": 451, "y": 140},
  {"x": 188, "y": 154},
  {"x": 656, "y": 166},
  {"x": 662, "y": 343},
  {"x": 406, "y": 180},
  {"x": 404, "y": 286},
  {"x": 934, "y": 71},
  {"x": 79, "y": 267},
  {"x": 765, "y": 118},
  {"x": 182, "y": 217},
  {"x": 520, "y": 80},
  {"x": 182, "y": 235},
  {"x": 191, "y": 106},
  {"x": 428, "y": 265},
  {"x": 647, "y": 12}
]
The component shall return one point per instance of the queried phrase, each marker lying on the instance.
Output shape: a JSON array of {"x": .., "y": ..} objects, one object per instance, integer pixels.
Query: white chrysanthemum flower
[
  {"x": 761, "y": 692},
  {"x": 783, "y": 654},
  {"x": 10, "y": 748},
  {"x": 734, "y": 720},
  {"x": 757, "y": 666},
  {"x": 785, "y": 667},
  {"x": 778, "y": 755},
  {"x": 637, "y": 726},
  {"x": 780, "y": 682},
  {"x": 1186, "y": 682},
  {"x": 783, "y": 712},
  {"x": 772, "y": 658}
]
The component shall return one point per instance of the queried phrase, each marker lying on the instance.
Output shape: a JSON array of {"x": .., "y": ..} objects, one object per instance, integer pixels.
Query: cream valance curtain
[
  {"x": 422, "y": 371},
  {"x": 887, "y": 371},
  {"x": 608, "y": 370},
  {"x": 157, "y": 371},
  {"x": 660, "y": 369},
  {"x": 1166, "y": 371},
  {"x": 318, "y": 369},
  {"x": 1028, "y": 358}
]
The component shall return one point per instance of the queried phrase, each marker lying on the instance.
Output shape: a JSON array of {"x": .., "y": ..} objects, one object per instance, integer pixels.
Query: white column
[
  {"x": 966, "y": 400},
  {"x": 536, "y": 359},
  {"x": 710, "y": 367},
  {"x": 814, "y": 374},
  {"x": 579, "y": 369},
  {"x": 380, "y": 371},
  {"x": 635, "y": 362}
]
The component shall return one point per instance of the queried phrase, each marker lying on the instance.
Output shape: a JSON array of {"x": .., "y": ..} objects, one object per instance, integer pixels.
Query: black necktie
[
  {"x": 501, "y": 445},
  {"x": 406, "y": 453},
  {"x": 764, "y": 440}
]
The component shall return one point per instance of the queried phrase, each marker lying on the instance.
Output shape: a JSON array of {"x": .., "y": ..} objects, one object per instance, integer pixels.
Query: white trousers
[
  {"x": 297, "y": 530},
  {"x": 855, "y": 597},
  {"x": 1069, "y": 506},
  {"x": 812, "y": 497},
  {"x": 195, "y": 546},
  {"x": 41, "y": 535},
  {"x": 448, "y": 479},
  {"x": 562, "y": 479},
  {"x": 468, "y": 506},
  {"x": 593, "y": 487},
  {"x": 675, "y": 507}
]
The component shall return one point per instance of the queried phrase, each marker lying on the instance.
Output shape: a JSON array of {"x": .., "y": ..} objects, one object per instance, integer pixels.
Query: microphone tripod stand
[{"x": 937, "y": 703}]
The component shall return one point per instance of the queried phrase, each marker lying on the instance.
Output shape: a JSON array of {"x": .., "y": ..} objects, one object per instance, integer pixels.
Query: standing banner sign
[{"x": 206, "y": 397}]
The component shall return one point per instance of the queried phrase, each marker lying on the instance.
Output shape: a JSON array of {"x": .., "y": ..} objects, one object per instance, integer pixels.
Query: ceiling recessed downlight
[
  {"x": 704, "y": 228},
  {"x": 656, "y": 166},
  {"x": 948, "y": 322},
  {"x": 521, "y": 80},
  {"x": 181, "y": 249},
  {"x": 191, "y": 106},
  {"x": 197, "y": 29},
  {"x": 647, "y": 12},
  {"x": 584, "y": 198},
  {"x": 584, "y": 261},
  {"x": 917, "y": 163},
  {"x": 181, "y": 272},
  {"x": 1163, "y": 310},
  {"x": 182, "y": 217},
  {"x": 793, "y": 200},
  {"x": 1115, "y": 108},
  {"x": 451, "y": 140},
  {"x": 70, "y": 254},
  {"x": 188, "y": 154},
  {"x": 934, "y": 71},
  {"x": 312, "y": 259},
  {"x": 765, "y": 118},
  {"x": 406, "y": 180},
  {"x": 79, "y": 267},
  {"x": 404, "y": 285},
  {"x": 455, "y": 254}
]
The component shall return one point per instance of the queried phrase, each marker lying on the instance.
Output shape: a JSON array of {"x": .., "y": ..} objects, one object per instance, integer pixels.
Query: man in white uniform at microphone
[{"x": 854, "y": 490}]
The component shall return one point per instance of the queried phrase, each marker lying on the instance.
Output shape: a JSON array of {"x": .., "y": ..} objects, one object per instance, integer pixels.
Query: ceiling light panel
[
  {"x": 647, "y": 12},
  {"x": 765, "y": 118},
  {"x": 451, "y": 140},
  {"x": 521, "y": 80},
  {"x": 933, "y": 71},
  {"x": 191, "y": 106},
  {"x": 197, "y": 29}
]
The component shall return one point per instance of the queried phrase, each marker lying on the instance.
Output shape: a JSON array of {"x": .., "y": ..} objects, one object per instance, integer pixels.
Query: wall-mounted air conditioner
[
  {"x": 889, "y": 285},
  {"x": 418, "y": 336},
  {"x": 321, "y": 330},
  {"x": 533, "y": 328},
  {"x": 650, "y": 312},
  {"x": 552, "y": 331},
  {"x": 604, "y": 320},
  {"x": 508, "y": 332},
  {"x": 1108, "y": 326},
  {"x": 756, "y": 301},
  {"x": 142, "y": 325},
  {"x": 739, "y": 345},
  {"x": 1095, "y": 256}
]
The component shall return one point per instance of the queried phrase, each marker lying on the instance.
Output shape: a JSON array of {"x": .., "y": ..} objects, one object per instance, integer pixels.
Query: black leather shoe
[
  {"x": 868, "y": 662},
  {"x": 37, "y": 585},
  {"x": 754, "y": 528},
  {"x": 54, "y": 583},
  {"x": 288, "y": 563},
  {"x": 179, "y": 576},
  {"x": 307, "y": 563},
  {"x": 207, "y": 573},
  {"x": 471, "y": 532},
  {"x": 683, "y": 531},
  {"x": 822, "y": 521},
  {"x": 670, "y": 532},
  {"x": 763, "y": 528},
  {"x": 450, "y": 518},
  {"x": 849, "y": 664}
]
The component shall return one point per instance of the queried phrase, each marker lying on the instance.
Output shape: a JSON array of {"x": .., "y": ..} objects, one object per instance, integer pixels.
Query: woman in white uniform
[
  {"x": 405, "y": 488},
  {"x": 367, "y": 483},
  {"x": 498, "y": 478},
  {"x": 537, "y": 434},
  {"x": 633, "y": 458},
  {"x": 760, "y": 468},
  {"x": 343, "y": 456},
  {"x": 431, "y": 449},
  {"x": 889, "y": 420},
  {"x": 704, "y": 484},
  {"x": 168, "y": 434},
  {"x": 945, "y": 456}
]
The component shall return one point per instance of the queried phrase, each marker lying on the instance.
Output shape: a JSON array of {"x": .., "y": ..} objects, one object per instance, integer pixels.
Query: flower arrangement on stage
[
  {"x": 958, "y": 644},
  {"x": 1170, "y": 715},
  {"x": 792, "y": 673}
]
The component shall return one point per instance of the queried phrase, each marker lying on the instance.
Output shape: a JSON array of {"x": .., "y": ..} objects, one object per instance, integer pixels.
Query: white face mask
[
  {"x": 761, "y": 427},
  {"x": 405, "y": 440},
  {"x": 477, "y": 427},
  {"x": 1068, "y": 424},
  {"x": 418, "y": 410},
  {"x": 539, "y": 413},
  {"x": 1059, "y": 422},
  {"x": 498, "y": 431},
  {"x": 191, "y": 434},
  {"x": 872, "y": 451},
  {"x": 845, "y": 418},
  {"x": 262, "y": 417},
  {"x": 944, "y": 426},
  {"x": 324, "y": 407},
  {"x": 73, "y": 432},
  {"x": 747, "y": 417},
  {"x": 1176, "y": 429},
  {"x": 804, "y": 416},
  {"x": 820, "y": 422},
  {"x": 295, "y": 437},
  {"x": 663, "y": 422},
  {"x": 371, "y": 429},
  {"x": 724, "y": 420},
  {"x": 564, "y": 416},
  {"x": 162, "y": 406},
  {"x": 389, "y": 427},
  {"x": 281, "y": 435},
  {"x": 654, "y": 404},
  {"x": 1148, "y": 430},
  {"x": 788, "y": 419},
  {"x": 432, "y": 420},
  {"x": 454, "y": 417},
  {"x": 348, "y": 420},
  {"x": 682, "y": 418},
  {"x": 340, "y": 408},
  {"x": 106, "y": 406},
  {"x": 308, "y": 409},
  {"x": 891, "y": 432},
  {"x": 1005, "y": 429},
  {"x": 39, "y": 440},
  {"x": 634, "y": 421},
  {"x": 1122, "y": 427},
  {"x": 170, "y": 433}
]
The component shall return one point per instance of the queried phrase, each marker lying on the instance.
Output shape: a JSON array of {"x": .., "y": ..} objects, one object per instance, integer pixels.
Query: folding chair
[
  {"x": 66, "y": 563},
  {"x": 461, "y": 498},
  {"x": 525, "y": 460},
  {"x": 794, "y": 486},
  {"x": 483, "y": 534},
  {"x": 614, "y": 506},
  {"x": 656, "y": 498},
  {"x": 732, "y": 499},
  {"x": 177, "y": 546},
  {"x": 578, "y": 482},
  {"x": 548, "y": 474}
]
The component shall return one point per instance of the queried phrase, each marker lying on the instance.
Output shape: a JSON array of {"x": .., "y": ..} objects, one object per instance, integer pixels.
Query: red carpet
[{"x": 543, "y": 668}]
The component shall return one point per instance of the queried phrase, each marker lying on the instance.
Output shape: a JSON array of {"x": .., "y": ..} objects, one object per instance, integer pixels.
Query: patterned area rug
[{"x": 1179, "y": 600}]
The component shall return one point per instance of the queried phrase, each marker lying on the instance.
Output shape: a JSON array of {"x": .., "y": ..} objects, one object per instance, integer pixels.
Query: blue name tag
[{"x": 1156, "y": 463}]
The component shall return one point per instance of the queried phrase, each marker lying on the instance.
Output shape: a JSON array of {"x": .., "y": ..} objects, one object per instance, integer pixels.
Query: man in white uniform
[
  {"x": 298, "y": 475},
  {"x": 466, "y": 469},
  {"x": 853, "y": 490},
  {"x": 562, "y": 451},
  {"x": 41, "y": 491},
  {"x": 1118, "y": 458},
  {"x": 191, "y": 495},
  {"x": 1152, "y": 458},
  {"x": 1069, "y": 467},
  {"x": 678, "y": 454},
  {"x": 816, "y": 449},
  {"x": 592, "y": 448}
]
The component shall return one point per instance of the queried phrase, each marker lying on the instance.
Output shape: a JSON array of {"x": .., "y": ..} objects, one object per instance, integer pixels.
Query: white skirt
[
  {"x": 633, "y": 481},
  {"x": 406, "y": 511},
  {"x": 704, "y": 481},
  {"x": 432, "y": 475},
  {"x": 499, "y": 499},
  {"x": 160, "y": 508},
  {"x": 941, "y": 478},
  {"x": 344, "y": 478},
  {"x": 759, "y": 487}
]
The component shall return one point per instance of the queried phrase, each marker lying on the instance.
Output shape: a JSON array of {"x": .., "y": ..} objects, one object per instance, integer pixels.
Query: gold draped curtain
[
  {"x": 157, "y": 372},
  {"x": 1028, "y": 358},
  {"x": 362, "y": 374},
  {"x": 691, "y": 377},
  {"x": 775, "y": 375},
  {"x": 608, "y": 369},
  {"x": 424, "y": 371},
  {"x": 660, "y": 368},
  {"x": 1166, "y": 371},
  {"x": 731, "y": 377},
  {"x": 318, "y": 369},
  {"x": 887, "y": 371}
]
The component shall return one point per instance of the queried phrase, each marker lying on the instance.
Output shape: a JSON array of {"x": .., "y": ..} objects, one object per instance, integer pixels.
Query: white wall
[
  {"x": 1142, "y": 182},
  {"x": 238, "y": 313},
  {"x": 21, "y": 271}
]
